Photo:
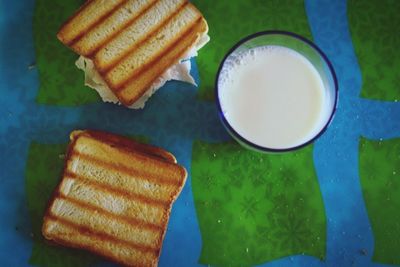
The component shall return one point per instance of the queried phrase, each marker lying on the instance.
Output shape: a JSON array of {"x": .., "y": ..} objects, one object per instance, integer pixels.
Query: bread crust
[
  {"x": 125, "y": 143},
  {"x": 81, "y": 46},
  {"x": 68, "y": 26}
]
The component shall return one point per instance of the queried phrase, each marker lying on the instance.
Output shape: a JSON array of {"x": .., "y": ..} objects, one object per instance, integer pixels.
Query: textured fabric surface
[{"x": 334, "y": 203}]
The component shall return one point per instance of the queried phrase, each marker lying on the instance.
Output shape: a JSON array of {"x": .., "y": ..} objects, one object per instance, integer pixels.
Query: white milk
[{"x": 272, "y": 96}]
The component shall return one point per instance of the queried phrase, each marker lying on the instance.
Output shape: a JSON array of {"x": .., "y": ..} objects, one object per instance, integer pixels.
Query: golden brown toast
[
  {"x": 114, "y": 198},
  {"x": 126, "y": 143},
  {"x": 133, "y": 42}
]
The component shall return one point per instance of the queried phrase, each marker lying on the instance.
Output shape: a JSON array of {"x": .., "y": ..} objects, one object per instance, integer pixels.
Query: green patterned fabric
[
  {"x": 61, "y": 82},
  {"x": 253, "y": 213},
  {"x": 380, "y": 180},
  {"x": 375, "y": 27},
  {"x": 254, "y": 208},
  {"x": 229, "y": 21}
]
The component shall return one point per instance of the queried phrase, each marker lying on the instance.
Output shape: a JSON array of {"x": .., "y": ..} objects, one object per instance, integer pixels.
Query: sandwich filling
[{"x": 179, "y": 72}]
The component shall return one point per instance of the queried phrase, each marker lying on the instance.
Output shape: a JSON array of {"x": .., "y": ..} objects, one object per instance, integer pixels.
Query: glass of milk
[{"x": 276, "y": 91}]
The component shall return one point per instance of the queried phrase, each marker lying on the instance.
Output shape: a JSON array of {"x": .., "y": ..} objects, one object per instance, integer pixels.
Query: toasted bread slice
[
  {"x": 130, "y": 39},
  {"x": 114, "y": 198},
  {"x": 85, "y": 18}
]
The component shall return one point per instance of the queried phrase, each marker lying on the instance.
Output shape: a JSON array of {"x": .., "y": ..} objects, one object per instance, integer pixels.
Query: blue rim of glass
[{"x": 300, "y": 38}]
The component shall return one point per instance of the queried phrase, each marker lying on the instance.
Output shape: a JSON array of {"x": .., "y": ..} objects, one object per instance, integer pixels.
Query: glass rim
[{"x": 239, "y": 137}]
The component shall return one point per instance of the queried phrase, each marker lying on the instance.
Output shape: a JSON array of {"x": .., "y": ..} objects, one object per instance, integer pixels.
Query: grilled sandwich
[
  {"x": 114, "y": 198},
  {"x": 132, "y": 43}
]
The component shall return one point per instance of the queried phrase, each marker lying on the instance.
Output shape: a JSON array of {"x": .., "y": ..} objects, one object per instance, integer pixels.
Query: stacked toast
[{"x": 133, "y": 42}]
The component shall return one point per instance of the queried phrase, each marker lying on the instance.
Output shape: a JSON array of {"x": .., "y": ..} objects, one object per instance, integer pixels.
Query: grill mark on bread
[
  {"x": 156, "y": 57},
  {"x": 95, "y": 23},
  {"x": 122, "y": 192},
  {"x": 123, "y": 181},
  {"x": 133, "y": 173},
  {"x": 125, "y": 143},
  {"x": 154, "y": 46},
  {"x": 113, "y": 216},
  {"x": 116, "y": 60},
  {"x": 102, "y": 236},
  {"x": 129, "y": 195},
  {"x": 102, "y": 65},
  {"x": 144, "y": 162},
  {"x": 113, "y": 251},
  {"x": 128, "y": 144},
  {"x": 133, "y": 154},
  {"x": 123, "y": 205},
  {"x": 60, "y": 33},
  {"x": 156, "y": 74},
  {"x": 101, "y": 223},
  {"x": 131, "y": 21}
]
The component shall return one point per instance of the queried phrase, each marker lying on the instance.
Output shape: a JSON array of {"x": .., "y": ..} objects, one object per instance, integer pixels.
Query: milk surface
[{"x": 272, "y": 96}]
